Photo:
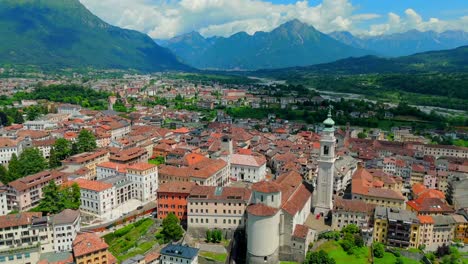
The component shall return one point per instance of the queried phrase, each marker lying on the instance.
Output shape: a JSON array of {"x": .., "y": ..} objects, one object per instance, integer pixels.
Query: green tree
[
  {"x": 171, "y": 227},
  {"x": 86, "y": 141},
  {"x": 52, "y": 201},
  {"x": 208, "y": 235},
  {"x": 61, "y": 150},
  {"x": 57, "y": 199},
  {"x": 351, "y": 229},
  {"x": 31, "y": 161},
  {"x": 358, "y": 240},
  {"x": 3, "y": 175},
  {"x": 379, "y": 250},
  {"x": 399, "y": 261},
  {"x": 14, "y": 167},
  {"x": 362, "y": 135},
  {"x": 320, "y": 257}
]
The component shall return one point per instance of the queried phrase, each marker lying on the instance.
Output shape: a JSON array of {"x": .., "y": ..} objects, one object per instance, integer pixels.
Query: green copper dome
[{"x": 329, "y": 123}]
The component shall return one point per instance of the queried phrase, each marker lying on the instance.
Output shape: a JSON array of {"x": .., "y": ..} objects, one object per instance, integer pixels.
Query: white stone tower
[{"x": 323, "y": 193}]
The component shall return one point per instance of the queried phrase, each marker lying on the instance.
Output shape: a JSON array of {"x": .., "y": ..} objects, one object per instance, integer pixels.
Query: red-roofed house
[
  {"x": 96, "y": 197},
  {"x": 90, "y": 248},
  {"x": 251, "y": 168}
]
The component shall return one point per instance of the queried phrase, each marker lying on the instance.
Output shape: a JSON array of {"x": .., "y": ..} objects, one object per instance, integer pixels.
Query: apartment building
[
  {"x": 248, "y": 167},
  {"x": 26, "y": 193},
  {"x": 173, "y": 198},
  {"x": 3, "y": 201},
  {"x": 396, "y": 227},
  {"x": 377, "y": 188},
  {"x": 446, "y": 151},
  {"x": 347, "y": 212},
  {"x": 90, "y": 248},
  {"x": 25, "y": 236},
  {"x": 88, "y": 160},
  {"x": 212, "y": 207},
  {"x": 144, "y": 177},
  {"x": 208, "y": 172},
  {"x": 66, "y": 225},
  {"x": 96, "y": 197}
]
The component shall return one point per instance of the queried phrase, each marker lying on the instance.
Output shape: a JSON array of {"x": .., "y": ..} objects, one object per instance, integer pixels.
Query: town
[{"x": 178, "y": 168}]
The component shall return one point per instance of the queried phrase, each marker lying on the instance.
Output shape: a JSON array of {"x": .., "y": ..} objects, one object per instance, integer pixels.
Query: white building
[
  {"x": 29, "y": 234},
  {"x": 8, "y": 147},
  {"x": 39, "y": 125},
  {"x": 275, "y": 220},
  {"x": 96, "y": 197},
  {"x": 323, "y": 195},
  {"x": 3, "y": 202},
  {"x": 248, "y": 167},
  {"x": 144, "y": 177},
  {"x": 66, "y": 225},
  {"x": 176, "y": 254}
]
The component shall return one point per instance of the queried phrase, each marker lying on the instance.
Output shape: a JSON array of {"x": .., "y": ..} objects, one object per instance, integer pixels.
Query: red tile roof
[
  {"x": 86, "y": 243},
  {"x": 301, "y": 231},
  {"x": 96, "y": 186},
  {"x": 266, "y": 187},
  {"x": 37, "y": 179},
  {"x": 176, "y": 187},
  {"x": 141, "y": 166},
  {"x": 297, "y": 201},
  {"x": 425, "y": 219},
  {"x": 362, "y": 184},
  {"x": 18, "y": 219},
  {"x": 430, "y": 205},
  {"x": 261, "y": 210},
  {"x": 225, "y": 193}
]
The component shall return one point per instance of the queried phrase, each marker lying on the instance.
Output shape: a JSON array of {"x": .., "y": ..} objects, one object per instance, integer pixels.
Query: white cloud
[
  {"x": 412, "y": 20},
  {"x": 168, "y": 18}
]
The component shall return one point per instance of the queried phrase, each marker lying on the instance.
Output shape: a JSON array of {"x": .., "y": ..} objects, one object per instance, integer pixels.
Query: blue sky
[{"x": 167, "y": 18}]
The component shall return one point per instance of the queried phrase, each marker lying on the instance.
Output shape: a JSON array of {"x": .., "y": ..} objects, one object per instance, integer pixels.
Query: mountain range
[
  {"x": 443, "y": 61},
  {"x": 64, "y": 34},
  {"x": 291, "y": 44},
  {"x": 298, "y": 44},
  {"x": 407, "y": 43}
]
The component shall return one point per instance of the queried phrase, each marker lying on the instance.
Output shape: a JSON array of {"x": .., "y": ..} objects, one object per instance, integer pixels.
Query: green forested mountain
[
  {"x": 63, "y": 33},
  {"x": 454, "y": 60},
  {"x": 436, "y": 78},
  {"x": 291, "y": 44}
]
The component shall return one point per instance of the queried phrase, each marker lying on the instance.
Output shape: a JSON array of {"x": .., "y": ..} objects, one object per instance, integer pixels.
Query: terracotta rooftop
[
  {"x": 301, "y": 231},
  {"x": 37, "y": 179},
  {"x": 141, "y": 166},
  {"x": 113, "y": 166},
  {"x": 18, "y": 219},
  {"x": 248, "y": 160},
  {"x": 261, "y": 210},
  {"x": 425, "y": 219},
  {"x": 176, "y": 187},
  {"x": 430, "y": 205},
  {"x": 220, "y": 193},
  {"x": 86, "y": 243},
  {"x": 96, "y": 186},
  {"x": 341, "y": 204},
  {"x": 362, "y": 184},
  {"x": 266, "y": 187},
  {"x": 66, "y": 216}
]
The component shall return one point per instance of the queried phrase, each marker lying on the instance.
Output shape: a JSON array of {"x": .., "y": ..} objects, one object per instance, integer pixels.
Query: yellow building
[
  {"x": 461, "y": 228},
  {"x": 89, "y": 248},
  {"x": 396, "y": 227}
]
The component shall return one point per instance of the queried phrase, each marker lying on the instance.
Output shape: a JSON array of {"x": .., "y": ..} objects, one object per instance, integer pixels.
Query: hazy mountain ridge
[
  {"x": 406, "y": 43},
  {"x": 291, "y": 44}
]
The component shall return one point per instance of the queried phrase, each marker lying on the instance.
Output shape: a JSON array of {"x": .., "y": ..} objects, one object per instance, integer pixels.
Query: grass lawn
[
  {"x": 288, "y": 262},
  {"x": 335, "y": 251},
  {"x": 131, "y": 240},
  {"x": 220, "y": 257},
  {"x": 389, "y": 258}
]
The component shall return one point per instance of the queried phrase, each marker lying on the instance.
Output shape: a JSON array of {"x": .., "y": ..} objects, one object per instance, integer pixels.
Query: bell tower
[{"x": 323, "y": 193}]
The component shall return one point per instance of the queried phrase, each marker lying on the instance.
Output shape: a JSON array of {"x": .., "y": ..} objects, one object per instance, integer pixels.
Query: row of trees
[
  {"x": 214, "y": 236},
  {"x": 31, "y": 160}
]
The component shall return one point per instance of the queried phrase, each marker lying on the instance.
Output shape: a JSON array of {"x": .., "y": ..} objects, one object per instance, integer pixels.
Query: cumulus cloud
[
  {"x": 168, "y": 18},
  {"x": 413, "y": 20}
]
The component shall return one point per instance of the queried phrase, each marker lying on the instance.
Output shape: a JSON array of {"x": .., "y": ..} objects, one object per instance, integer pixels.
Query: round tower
[{"x": 263, "y": 223}]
